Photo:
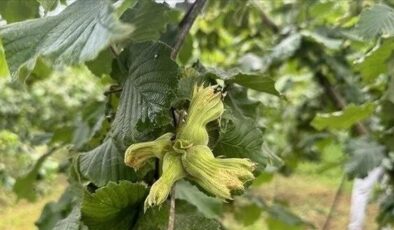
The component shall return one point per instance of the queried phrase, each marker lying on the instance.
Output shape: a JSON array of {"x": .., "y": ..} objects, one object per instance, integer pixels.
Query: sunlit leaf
[
  {"x": 376, "y": 61},
  {"x": 343, "y": 119},
  {"x": 75, "y": 35},
  {"x": 4, "y": 72}
]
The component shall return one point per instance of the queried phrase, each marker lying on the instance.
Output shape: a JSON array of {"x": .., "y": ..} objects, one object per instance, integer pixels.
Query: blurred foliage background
[{"x": 333, "y": 121}]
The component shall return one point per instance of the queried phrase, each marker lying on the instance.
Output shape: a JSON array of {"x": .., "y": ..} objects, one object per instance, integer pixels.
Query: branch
[
  {"x": 266, "y": 20},
  {"x": 186, "y": 24},
  {"x": 338, "y": 100},
  {"x": 359, "y": 128},
  {"x": 113, "y": 89},
  {"x": 334, "y": 203}
]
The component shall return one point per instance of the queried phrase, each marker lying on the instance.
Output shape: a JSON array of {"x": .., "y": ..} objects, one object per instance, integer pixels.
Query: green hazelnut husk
[
  {"x": 206, "y": 106},
  {"x": 220, "y": 177},
  {"x": 172, "y": 171},
  {"x": 137, "y": 154}
]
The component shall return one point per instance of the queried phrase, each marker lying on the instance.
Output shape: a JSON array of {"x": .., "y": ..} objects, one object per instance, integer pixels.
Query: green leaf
[
  {"x": 284, "y": 50},
  {"x": 148, "y": 18},
  {"x": 242, "y": 106},
  {"x": 4, "y": 72},
  {"x": 390, "y": 91},
  {"x": 241, "y": 139},
  {"x": 186, "y": 217},
  {"x": 186, "y": 51},
  {"x": 343, "y": 119},
  {"x": 76, "y": 35},
  {"x": 375, "y": 62},
  {"x": 263, "y": 178},
  {"x": 102, "y": 64},
  {"x": 365, "y": 155},
  {"x": 386, "y": 215},
  {"x": 24, "y": 186},
  {"x": 144, "y": 104},
  {"x": 114, "y": 206},
  {"x": 252, "y": 81},
  {"x": 122, "y": 6},
  {"x": 147, "y": 93},
  {"x": 210, "y": 207},
  {"x": 248, "y": 214},
  {"x": 71, "y": 222},
  {"x": 104, "y": 164},
  {"x": 54, "y": 212},
  {"x": 48, "y": 5},
  {"x": 189, "y": 77},
  {"x": 328, "y": 42},
  {"x": 14, "y": 11},
  {"x": 281, "y": 218},
  {"x": 281, "y": 52},
  {"x": 375, "y": 21}
]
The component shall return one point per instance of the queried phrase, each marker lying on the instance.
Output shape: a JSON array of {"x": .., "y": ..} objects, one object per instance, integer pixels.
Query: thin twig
[
  {"x": 186, "y": 24},
  {"x": 265, "y": 19},
  {"x": 184, "y": 28},
  {"x": 334, "y": 203},
  {"x": 113, "y": 89},
  {"x": 171, "y": 218}
]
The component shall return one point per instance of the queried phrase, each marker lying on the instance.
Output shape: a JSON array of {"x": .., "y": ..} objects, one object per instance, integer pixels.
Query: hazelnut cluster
[{"x": 188, "y": 156}]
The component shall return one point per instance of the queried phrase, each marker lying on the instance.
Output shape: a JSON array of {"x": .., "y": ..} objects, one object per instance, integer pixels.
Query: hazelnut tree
[{"x": 190, "y": 87}]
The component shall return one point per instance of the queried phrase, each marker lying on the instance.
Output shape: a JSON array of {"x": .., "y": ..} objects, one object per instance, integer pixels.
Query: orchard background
[{"x": 308, "y": 94}]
